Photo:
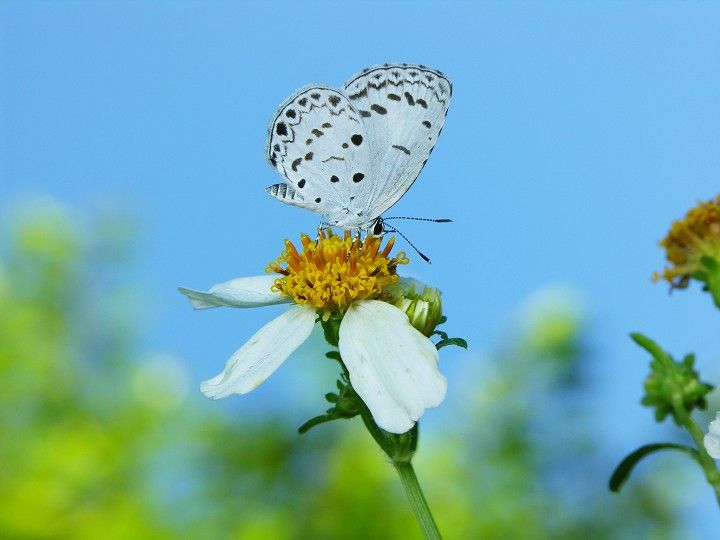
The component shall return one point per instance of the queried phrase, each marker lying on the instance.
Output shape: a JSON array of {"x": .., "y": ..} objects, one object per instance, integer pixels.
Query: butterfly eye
[{"x": 378, "y": 228}]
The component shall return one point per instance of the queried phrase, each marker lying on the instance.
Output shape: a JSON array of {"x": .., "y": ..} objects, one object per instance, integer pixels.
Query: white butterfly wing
[
  {"x": 318, "y": 142},
  {"x": 403, "y": 108}
]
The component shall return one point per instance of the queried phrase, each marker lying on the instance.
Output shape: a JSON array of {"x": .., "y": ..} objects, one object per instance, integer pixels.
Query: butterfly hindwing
[
  {"x": 317, "y": 142},
  {"x": 403, "y": 108}
]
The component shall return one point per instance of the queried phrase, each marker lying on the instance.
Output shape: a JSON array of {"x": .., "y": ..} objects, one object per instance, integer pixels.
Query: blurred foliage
[{"x": 98, "y": 443}]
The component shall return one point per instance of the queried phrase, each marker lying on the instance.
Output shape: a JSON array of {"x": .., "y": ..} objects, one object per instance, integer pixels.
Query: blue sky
[{"x": 577, "y": 132}]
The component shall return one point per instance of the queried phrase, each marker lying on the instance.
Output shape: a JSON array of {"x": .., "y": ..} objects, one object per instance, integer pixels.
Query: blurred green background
[
  {"x": 101, "y": 441},
  {"x": 131, "y": 162}
]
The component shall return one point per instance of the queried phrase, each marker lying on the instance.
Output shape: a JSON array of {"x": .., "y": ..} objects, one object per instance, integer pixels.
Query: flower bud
[
  {"x": 671, "y": 383},
  {"x": 421, "y": 303}
]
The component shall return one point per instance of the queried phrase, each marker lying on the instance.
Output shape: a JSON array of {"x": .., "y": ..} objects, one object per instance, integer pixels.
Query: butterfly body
[{"x": 351, "y": 154}]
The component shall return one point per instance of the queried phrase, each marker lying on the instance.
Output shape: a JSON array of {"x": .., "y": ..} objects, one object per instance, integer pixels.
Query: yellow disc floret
[
  {"x": 689, "y": 240},
  {"x": 334, "y": 270}
]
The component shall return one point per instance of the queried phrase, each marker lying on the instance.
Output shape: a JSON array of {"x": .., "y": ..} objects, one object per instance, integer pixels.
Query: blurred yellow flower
[{"x": 692, "y": 240}]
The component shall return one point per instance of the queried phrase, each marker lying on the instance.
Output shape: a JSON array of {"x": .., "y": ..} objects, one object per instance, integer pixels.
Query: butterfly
[{"x": 351, "y": 154}]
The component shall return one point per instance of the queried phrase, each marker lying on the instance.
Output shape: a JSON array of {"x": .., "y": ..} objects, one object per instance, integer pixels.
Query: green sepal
[
  {"x": 331, "y": 329},
  {"x": 625, "y": 467},
  {"x": 399, "y": 447}
]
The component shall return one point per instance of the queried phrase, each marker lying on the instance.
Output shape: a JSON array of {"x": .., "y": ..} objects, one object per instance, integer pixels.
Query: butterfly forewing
[
  {"x": 318, "y": 142},
  {"x": 403, "y": 108}
]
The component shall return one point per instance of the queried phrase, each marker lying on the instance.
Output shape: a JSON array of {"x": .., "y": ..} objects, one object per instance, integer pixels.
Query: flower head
[
  {"x": 333, "y": 271},
  {"x": 391, "y": 365},
  {"x": 691, "y": 243}
]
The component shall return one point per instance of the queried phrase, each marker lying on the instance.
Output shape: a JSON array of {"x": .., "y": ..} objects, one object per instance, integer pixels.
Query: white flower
[
  {"x": 712, "y": 439},
  {"x": 392, "y": 366}
]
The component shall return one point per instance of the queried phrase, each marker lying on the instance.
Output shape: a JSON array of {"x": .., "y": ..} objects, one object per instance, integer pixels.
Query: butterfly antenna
[
  {"x": 443, "y": 220},
  {"x": 390, "y": 228}
]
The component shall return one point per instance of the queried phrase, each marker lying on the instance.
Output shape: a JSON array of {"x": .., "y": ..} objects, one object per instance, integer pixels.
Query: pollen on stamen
[{"x": 332, "y": 271}]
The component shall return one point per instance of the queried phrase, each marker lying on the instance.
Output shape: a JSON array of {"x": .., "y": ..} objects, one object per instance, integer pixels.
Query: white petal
[
  {"x": 714, "y": 427},
  {"x": 712, "y": 445},
  {"x": 255, "y": 361},
  {"x": 393, "y": 367},
  {"x": 241, "y": 292}
]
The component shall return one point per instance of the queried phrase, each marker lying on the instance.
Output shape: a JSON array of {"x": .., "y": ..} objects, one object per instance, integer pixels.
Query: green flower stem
[
  {"x": 400, "y": 448},
  {"x": 712, "y": 474},
  {"x": 417, "y": 500}
]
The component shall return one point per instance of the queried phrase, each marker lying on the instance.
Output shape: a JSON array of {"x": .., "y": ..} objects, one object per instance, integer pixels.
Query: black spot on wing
[
  {"x": 326, "y": 125},
  {"x": 361, "y": 94},
  {"x": 394, "y": 97},
  {"x": 401, "y": 148},
  {"x": 301, "y": 183},
  {"x": 308, "y": 156},
  {"x": 281, "y": 129},
  {"x": 365, "y": 114},
  {"x": 356, "y": 139},
  {"x": 422, "y": 103},
  {"x": 334, "y": 179},
  {"x": 302, "y": 102},
  {"x": 295, "y": 164},
  {"x": 426, "y": 124},
  {"x": 334, "y": 100},
  {"x": 317, "y": 132},
  {"x": 378, "y": 108},
  {"x": 357, "y": 177},
  {"x": 290, "y": 113},
  {"x": 409, "y": 98}
]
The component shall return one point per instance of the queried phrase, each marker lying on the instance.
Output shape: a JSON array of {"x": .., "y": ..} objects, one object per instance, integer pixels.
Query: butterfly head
[{"x": 377, "y": 227}]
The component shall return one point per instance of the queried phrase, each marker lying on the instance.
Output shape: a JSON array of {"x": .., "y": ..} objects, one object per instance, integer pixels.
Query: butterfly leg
[{"x": 321, "y": 228}]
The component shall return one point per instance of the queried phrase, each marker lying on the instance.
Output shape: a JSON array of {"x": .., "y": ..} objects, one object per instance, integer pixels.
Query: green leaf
[
  {"x": 457, "y": 341},
  {"x": 315, "y": 422},
  {"x": 650, "y": 346},
  {"x": 333, "y": 355},
  {"x": 443, "y": 335},
  {"x": 626, "y": 466}
]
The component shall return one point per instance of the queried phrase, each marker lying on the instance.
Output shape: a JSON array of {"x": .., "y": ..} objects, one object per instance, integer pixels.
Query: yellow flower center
[
  {"x": 333, "y": 271},
  {"x": 690, "y": 239}
]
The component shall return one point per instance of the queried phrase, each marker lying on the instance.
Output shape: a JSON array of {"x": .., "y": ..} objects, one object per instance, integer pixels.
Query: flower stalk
[{"x": 417, "y": 500}]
